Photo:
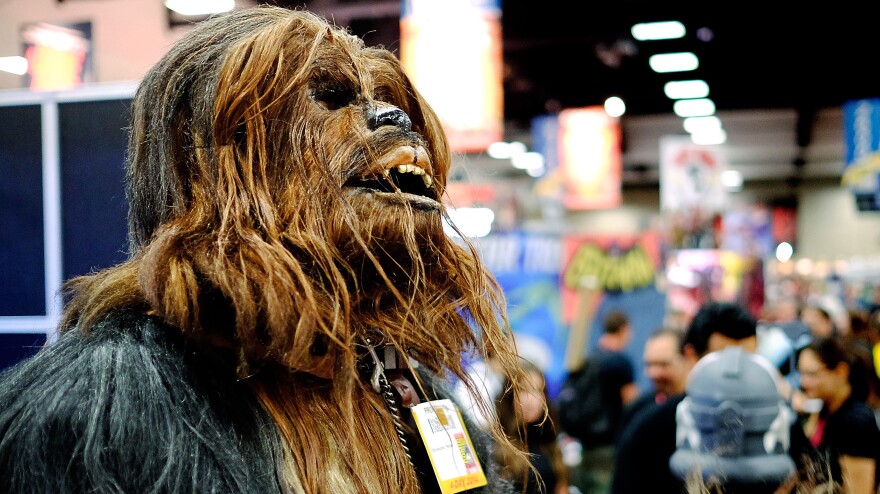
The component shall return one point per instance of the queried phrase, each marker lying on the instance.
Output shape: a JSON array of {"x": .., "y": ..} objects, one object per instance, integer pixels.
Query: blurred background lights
[
  {"x": 472, "y": 222},
  {"x": 528, "y": 161},
  {"x": 673, "y": 62},
  {"x": 731, "y": 179},
  {"x": 697, "y": 124},
  {"x": 615, "y": 106},
  {"x": 702, "y": 107},
  {"x": 14, "y": 65},
  {"x": 709, "y": 137},
  {"x": 696, "y": 88},
  {"x": 505, "y": 150},
  {"x": 200, "y": 7},
  {"x": 784, "y": 251},
  {"x": 648, "y": 31}
]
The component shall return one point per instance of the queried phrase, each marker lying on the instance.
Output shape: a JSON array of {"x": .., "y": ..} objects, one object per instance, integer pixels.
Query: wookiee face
[{"x": 285, "y": 186}]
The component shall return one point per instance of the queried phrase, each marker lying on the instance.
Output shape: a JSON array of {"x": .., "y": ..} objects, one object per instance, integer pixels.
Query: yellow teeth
[{"x": 416, "y": 171}]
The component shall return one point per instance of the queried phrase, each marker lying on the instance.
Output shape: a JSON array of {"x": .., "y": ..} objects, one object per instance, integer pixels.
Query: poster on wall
[
  {"x": 690, "y": 176},
  {"x": 603, "y": 273},
  {"x": 58, "y": 56},
  {"x": 692, "y": 197},
  {"x": 527, "y": 267}
]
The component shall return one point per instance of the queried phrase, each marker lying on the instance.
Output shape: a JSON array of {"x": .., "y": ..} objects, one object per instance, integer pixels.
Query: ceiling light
[
  {"x": 698, "y": 124},
  {"x": 784, "y": 251},
  {"x": 615, "y": 106},
  {"x": 648, "y": 31},
  {"x": 731, "y": 179},
  {"x": 527, "y": 161},
  {"x": 472, "y": 222},
  {"x": 709, "y": 137},
  {"x": 696, "y": 88},
  {"x": 14, "y": 65},
  {"x": 505, "y": 150},
  {"x": 200, "y": 7},
  {"x": 702, "y": 107},
  {"x": 537, "y": 172},
  {"x": 673, "y": 62}
]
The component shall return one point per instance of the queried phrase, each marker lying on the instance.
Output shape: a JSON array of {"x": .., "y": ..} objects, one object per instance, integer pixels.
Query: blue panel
[
  {"x": 22, "y": 269},
  {"x": 93, "y": 140},
  {"x": 19, "y": 346}
]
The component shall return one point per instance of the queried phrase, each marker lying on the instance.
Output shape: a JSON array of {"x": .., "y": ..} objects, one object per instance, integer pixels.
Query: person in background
[
  {"x": 649, "y": 440},
  {"x": 845, "y": 431},
  {"x": 819, "y": 318},
  {"x": 861, "y": 340},
  {"x": 665, "y": 365},
  {"x": 617, "y": 377},
  {"x": 521, "y": 413},
  {"x": 733, "y": 428}
]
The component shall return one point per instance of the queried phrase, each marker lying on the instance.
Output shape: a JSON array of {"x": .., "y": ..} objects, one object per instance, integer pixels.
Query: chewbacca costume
[{"x": 286, "y": 237}]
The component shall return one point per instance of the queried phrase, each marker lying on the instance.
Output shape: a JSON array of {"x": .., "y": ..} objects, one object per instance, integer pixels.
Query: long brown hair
[{"x": 244, "y": 235}]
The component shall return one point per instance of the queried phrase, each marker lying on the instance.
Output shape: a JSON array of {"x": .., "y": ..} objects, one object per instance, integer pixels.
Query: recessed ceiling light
[
  {"x": 696, "y": 124},
  {"x": 696, "y": 88},
  {"x": 731, "y": 179},
  {"x": 615, "y": 106},
  {"x": 673, "y": 62},
  {"x": 709, "y": 137},
  {"x": 200, "y": 7},
  {"x": 648, "y": 31},
  {"x": 701, "y": 107},
  {"x": 14, "y": 65}
]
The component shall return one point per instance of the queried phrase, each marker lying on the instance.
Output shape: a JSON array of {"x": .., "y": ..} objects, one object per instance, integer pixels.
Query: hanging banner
[
  {"x": 861, "y": 135},
  {"x": 601, "y": 273},
  {"x": 459, "y": 75},
  {"x": 58, "y": 56},
  {"x": 690, "y": 176},
  {"x": 590, "y": 158}
]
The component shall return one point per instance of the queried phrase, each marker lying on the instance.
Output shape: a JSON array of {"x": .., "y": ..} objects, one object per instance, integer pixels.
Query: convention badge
[{"x": 449, "y": 446}]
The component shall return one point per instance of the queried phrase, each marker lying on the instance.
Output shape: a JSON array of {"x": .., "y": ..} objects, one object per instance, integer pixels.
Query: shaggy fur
[{"x": 267, "y": 244}]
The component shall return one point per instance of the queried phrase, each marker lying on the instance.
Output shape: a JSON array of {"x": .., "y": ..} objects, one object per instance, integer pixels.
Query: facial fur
[{"x": 284, "y": 185}]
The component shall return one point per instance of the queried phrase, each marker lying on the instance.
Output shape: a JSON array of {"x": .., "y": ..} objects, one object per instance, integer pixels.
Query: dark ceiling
[{"x": 754, "y": 55}]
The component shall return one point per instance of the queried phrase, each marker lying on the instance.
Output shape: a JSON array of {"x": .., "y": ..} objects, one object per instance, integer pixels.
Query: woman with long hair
[
  {"x": 527, "y": 418},
  {"x": 844, "y": 431}
]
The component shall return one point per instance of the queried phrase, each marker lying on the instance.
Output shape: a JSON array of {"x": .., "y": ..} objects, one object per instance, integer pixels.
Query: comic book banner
[
  {"x": 557, "y": 286},
  {"x": 603, "y": 273}
]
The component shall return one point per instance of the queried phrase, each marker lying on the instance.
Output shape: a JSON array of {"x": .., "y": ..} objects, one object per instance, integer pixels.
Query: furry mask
[{"x": 285, "y": 186}]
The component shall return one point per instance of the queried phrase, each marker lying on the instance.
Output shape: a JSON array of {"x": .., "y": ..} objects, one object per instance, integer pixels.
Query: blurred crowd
[{"x": 786, "y": 402}]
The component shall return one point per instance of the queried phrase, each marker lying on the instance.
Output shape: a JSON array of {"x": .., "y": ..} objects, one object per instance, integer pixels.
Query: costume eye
[{"x": 333, "y": 96}]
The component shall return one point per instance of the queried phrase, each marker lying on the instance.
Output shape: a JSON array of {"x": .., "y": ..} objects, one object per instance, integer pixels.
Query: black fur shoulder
[{"x": 122, "y": 410}]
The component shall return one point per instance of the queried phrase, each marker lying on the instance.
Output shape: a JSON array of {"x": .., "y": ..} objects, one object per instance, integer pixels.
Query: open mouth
[{"x": 405, "y": 171}]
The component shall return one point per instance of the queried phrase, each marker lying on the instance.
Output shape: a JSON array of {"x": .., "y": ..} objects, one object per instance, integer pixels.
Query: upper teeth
[{"x": 414, "y": 170}]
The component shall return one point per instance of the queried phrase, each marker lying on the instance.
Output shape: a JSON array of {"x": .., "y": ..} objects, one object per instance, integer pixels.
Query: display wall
[{"x": 63, "y": 202}]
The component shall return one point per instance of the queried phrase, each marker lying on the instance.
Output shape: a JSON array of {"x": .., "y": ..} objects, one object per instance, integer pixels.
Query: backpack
[{"x": 581, "y": 407}]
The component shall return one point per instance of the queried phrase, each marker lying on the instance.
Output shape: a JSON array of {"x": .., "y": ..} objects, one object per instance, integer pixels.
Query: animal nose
[{"x": 388, "y": 115}]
